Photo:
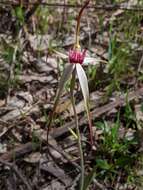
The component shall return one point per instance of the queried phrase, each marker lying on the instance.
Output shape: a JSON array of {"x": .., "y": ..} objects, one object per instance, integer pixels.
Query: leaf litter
[{"x": 23, "y": 119}]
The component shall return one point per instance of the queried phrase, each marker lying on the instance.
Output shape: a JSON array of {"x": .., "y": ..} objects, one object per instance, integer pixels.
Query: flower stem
[
  {"x": 77, "y": 45},
  {"x": 90, "y": 124},
  {"x": 78, "y": 132}
]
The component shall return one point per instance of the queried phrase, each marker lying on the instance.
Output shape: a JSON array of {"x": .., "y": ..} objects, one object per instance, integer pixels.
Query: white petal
[
  {"x": 65, "y": 76},
  {"x": 91, "y": 61},
  {"x": 61, "y": 55},
  {"x": 83, "y": 83}
]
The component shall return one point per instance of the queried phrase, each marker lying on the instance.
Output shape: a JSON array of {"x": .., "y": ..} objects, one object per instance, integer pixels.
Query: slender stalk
[
  {"x": 89, "y": 123},
  {"x": 77, "y": 131},
  {"x": 77, "y": 45}
]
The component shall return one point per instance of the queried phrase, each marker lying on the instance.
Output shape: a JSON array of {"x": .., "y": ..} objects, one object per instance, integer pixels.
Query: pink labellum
[{"x": 76, "y": 56}]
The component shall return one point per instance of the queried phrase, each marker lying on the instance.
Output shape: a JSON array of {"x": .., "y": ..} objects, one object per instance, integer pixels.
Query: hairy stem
[{"x": 78, "y": 132}]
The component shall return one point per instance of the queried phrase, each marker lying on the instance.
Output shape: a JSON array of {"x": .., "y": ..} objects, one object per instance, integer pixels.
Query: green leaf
[
  {"x": 19, "y": 14},
  {"x": 124, "y": 161},
  {"x": 103, "y": 164},
  {"x": 89, "y": 179},
  {"x": 142, "y": 107}
]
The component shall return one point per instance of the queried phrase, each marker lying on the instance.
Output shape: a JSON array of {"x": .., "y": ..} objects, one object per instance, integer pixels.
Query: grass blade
[{"x": 89, "y": 179}]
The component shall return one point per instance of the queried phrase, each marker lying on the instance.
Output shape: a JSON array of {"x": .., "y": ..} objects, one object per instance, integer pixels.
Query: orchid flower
[{"x": 76, "y": 59}]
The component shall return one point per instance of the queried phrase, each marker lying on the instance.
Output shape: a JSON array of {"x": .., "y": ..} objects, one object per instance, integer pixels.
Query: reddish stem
[{"x": 78, "y": 22}]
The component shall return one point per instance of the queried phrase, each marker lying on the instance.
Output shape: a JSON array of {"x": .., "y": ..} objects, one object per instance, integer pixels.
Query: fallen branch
[
  {"x": 104, "y": 7},
  {"x": 58, "y": 132},
  {"x": 97, "y": 112},
  {"x": 20, "y": 151},
  {"x": 17, "y": 172}
]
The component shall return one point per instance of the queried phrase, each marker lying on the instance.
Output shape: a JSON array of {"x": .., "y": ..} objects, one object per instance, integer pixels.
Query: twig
[
  {"x": 18, "y": 173},
  {"x": 97, "y": 112},
  {"x": 104, "y": 7},
  {"x": 19, "y": 151},
  {"x": 140, "y": 64},
  {"x": 138, "y": 70},
  {"x": 64, "y": 15},
  {"x": 99, "y": 185},
  {"x": 28, "y": 148},
  {"x": 65, "y": 156},
  {"x": 58, "y": 132}
]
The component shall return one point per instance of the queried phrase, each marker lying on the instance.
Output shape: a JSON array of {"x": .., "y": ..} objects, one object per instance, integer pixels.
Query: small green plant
[
  {"x": 129, "y": 115},
  {"x": 11, "y": 55},
  {"x": 19, "y": 13},
  {"x": 115, "y": 154},
  {"x": 42, "y": 14}
]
